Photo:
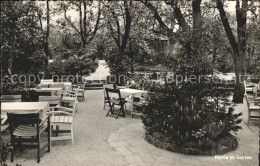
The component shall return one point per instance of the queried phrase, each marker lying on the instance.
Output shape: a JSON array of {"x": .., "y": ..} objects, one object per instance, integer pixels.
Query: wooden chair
[
  {"x": 81, "y": 90},
  {"x": 253, "y": 106},
  {"x": 52, "y": 100},
  {"x": 105, "y": 95},
  {"x": 11, "y": 98},
  {"x": 69, "y": 99},
  {"x": 28, "y": 128},
  {"x": 4, "y": 124},
  {"x": 62, "y": 117},
  {"x": 138, "y": 104},
  {"x": 114, "y": 99}
]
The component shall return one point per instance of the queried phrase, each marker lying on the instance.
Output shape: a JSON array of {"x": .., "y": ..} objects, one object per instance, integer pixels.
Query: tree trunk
[
  {"x": 239, "y": 89},
  {"x": 11, "y": 44},
  {"x": 127, "y": 30},
  {"x": 131, "y": 56},
  {"x": 239, "y": 48},
  {"x": 46, "y": 41}
]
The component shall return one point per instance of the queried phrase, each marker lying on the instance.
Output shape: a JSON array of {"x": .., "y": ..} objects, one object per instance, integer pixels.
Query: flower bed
[{"x": 181, "y": 123}]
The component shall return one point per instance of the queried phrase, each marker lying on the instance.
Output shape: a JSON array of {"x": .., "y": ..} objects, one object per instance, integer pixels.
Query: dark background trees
[{"x": 132, "y": 34}]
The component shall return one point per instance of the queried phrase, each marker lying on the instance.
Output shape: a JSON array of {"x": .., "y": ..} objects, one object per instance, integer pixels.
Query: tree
[
  {"x": 238, "y": 46},
  {"x": 85, "y": 30},
  {"x": 10, "y": 13},
  {"x": 113, "y": 18},
  {"x": 20, "y": 35},
  {"x": 46, "y": 33}
]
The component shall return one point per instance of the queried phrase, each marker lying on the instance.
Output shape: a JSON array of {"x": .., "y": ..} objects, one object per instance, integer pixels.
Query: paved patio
[
  {"x": 129, "y": 141},
  {"x": 106, "y": 141}
]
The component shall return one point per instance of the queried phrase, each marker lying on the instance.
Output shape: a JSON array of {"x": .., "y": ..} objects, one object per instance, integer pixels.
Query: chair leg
[
  {"x": 38, "y": 149},
  {"x": 57, "y": 130},
  {"x": 49, "y": 136},
  {"x": 118, "y": 113},
  {"x": 132, "y": 113},
  {"x": 72, "y": 136},
  {"x": 110, "y": 110},
  {"x": 123, "y": 111},
  {"x": 12, "y": 150},
  {"x": 248, "y": 116},
  {"x": 20, "y": 144}
]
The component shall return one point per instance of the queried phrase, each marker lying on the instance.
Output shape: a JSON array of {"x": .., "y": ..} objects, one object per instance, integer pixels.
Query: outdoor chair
[
  {"x": 52, "y": 100},
  {"x": 27, "y": 127},
  {"x": 138, "y": 104},
  {"x": 81, "y": 90},
  {"x": 11, "y": 98},
  {"x": 105, "y": 95},
  {"x": 115, "y": 100},
  {"x": 62, "y": 122},
  {"x": 250, "y": 88},
  {"x": 4, "y": 124},
  {"x": 253, "y": 106},
  {"x": 69, "y": 99}
]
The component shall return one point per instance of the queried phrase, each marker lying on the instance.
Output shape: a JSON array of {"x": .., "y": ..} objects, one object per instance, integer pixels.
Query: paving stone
[
  {"x": 118, "y": 143},
  {"x": 187, "y": 160},
  {"x": 124, "y": 151},
  {"x": 135, "y": 141},
  {"x": 139, "y": 149},
  {"x": 133, "y": 159},
  {"x": 146, "y": 156},
  {"x": 153, "y": 164},
  {"x": 124, "y": 137},
  {"x": 164, "y": 159}
]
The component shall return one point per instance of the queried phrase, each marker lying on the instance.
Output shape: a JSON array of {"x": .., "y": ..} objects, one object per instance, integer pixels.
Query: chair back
[
  {"x": 57, "y": 85},
  {"x": 110, "y": 86},
  {"x": 47, "y": 80},
  {"x": 113, "y": 93},
  {"x": 64, "y": 111},
  {"x": 52, "y": 100},
  {"x": 16, "y": 119},
  {"x": 44, "y": 85},
  {"x": 11, "y": 98}
]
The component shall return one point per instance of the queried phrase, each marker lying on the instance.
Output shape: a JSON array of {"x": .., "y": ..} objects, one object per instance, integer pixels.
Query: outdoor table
[
  {"x": 130, "y": 93},
  {"x": 53, "y": 91},
  {"x": 127, "y": 92},
  {"x": 52, "y": 84},
  {"x": 26, "y": 107}
]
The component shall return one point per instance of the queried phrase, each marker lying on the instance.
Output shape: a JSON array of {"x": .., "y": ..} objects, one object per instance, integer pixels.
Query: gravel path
[{"x": 91, "y": 131}]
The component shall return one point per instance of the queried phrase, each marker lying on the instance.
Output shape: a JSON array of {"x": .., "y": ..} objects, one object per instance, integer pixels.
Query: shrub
[
  {"x": 5, "y": 150},
  {"x": 199, "y": 123}
]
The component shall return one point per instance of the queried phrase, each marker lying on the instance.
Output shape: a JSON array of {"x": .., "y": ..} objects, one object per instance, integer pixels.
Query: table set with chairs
[
  {"x": 123, "y": 99},
  {"x": 252, "y": 95},
  {"x": 51, "y": 116}
]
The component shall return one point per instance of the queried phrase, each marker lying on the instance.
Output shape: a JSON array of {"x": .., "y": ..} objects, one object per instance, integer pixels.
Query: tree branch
[
  {"x": 127, "y": 27},
  {"x": 96, "y": 26},
  {"x": 65, "y": 16},
  {"x": 226, "y": 25},
  {"x": 156, "y": 14}
]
